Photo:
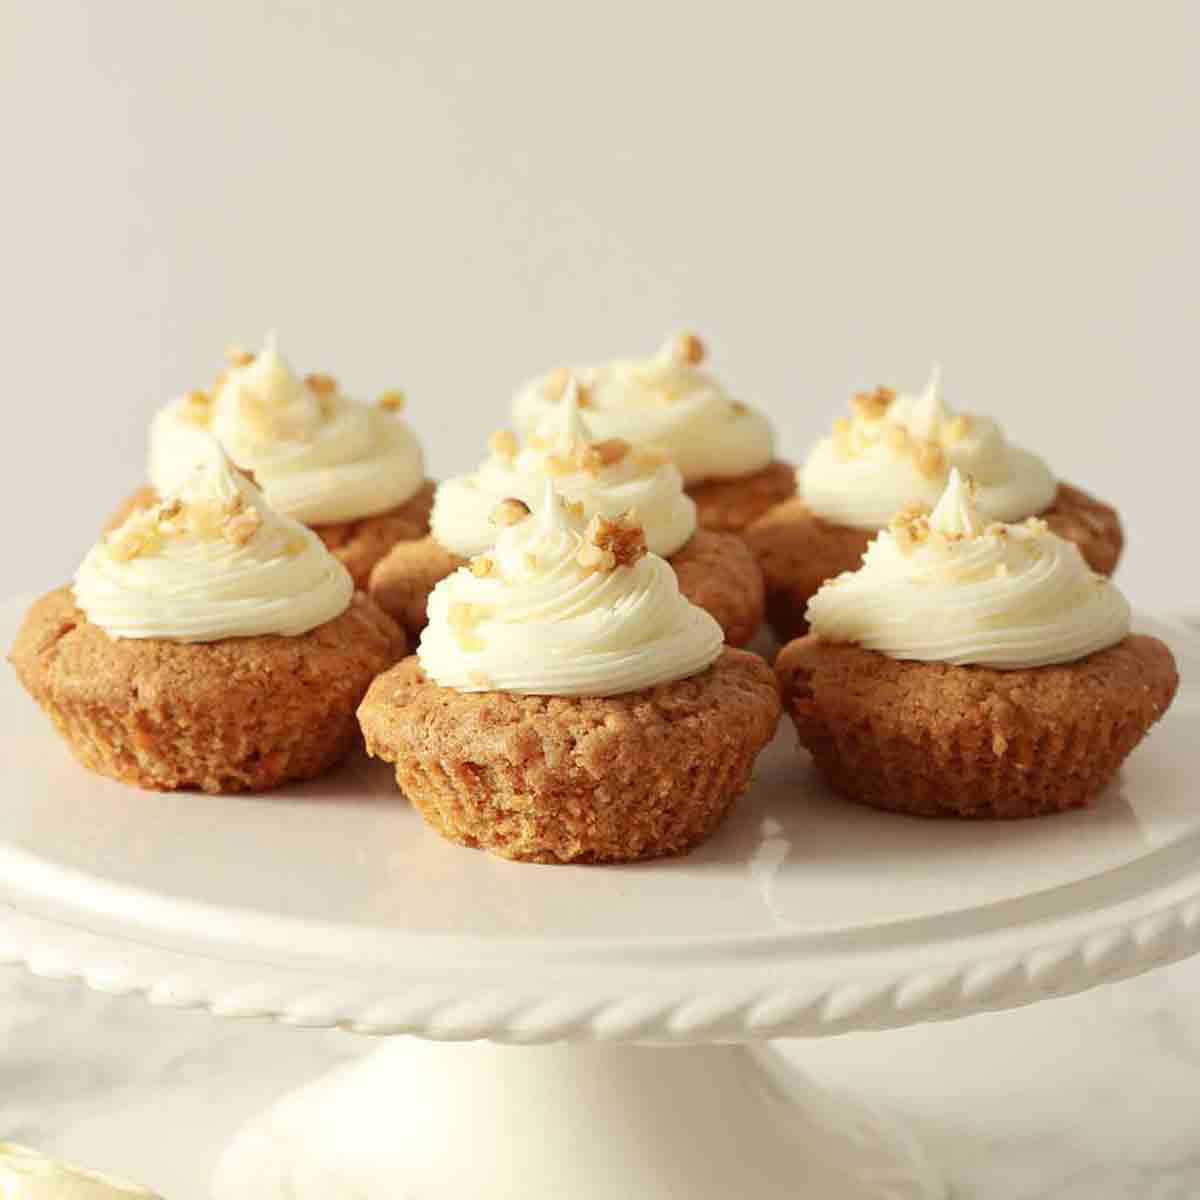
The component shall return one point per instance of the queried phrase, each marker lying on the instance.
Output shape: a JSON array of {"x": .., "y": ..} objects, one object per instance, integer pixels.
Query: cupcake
[
  {"x": 603, "y": 479},
  {"x": 723, "y": 449},
  {"x": 568, "y": 704},
  {"x": 972, "y": 669},
  {"x": 895, "y": 450},
  {"x": 208, "y": 642},
  {"x": 351, "y": 471}
]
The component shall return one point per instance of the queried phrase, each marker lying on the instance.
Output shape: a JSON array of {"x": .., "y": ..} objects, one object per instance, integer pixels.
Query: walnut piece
[
  {"x": 509, "y": 512},
  {"x": 611, "y": 542},
  {"x": 482, "y": 566},
  {"x": 393, "y": 401},
  {"x": 503, "y": 444},
  {"x": 872, "y": 406},
  {"x": 237, "y": 357},
  {"x": 687, "y": 348}
]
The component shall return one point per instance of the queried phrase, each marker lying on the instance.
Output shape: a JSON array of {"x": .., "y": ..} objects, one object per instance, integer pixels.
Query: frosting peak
[
  {"x": 896, "y": 449},
  {"x": 565, "y": 607},
  {"x": 943, "y": 586},
  {"x": 665, "y": 401},
  {"x": 211, "y": 561},
  {"x": 319, "y": 456},
  {"x": 605, "y": 478}
]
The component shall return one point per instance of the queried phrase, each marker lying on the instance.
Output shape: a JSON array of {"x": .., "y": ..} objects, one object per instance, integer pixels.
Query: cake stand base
[{"x": 420, "y": 1120}]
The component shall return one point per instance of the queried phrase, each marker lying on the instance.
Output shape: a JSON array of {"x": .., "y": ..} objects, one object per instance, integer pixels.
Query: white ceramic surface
[{"x": 332, "y": 904}]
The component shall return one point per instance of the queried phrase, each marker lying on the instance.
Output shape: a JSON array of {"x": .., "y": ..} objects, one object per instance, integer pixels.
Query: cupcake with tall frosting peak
[
  {"x": 603, "y": 478},
  {"x": 207, "y": 642},
  {"x": 897, "y": 449},
  {"x": 972, "y": 667},
  {"x": 724, "y": 449},
  {"x": 567, "y": 702},
  {"x": 352, "y": 471}
]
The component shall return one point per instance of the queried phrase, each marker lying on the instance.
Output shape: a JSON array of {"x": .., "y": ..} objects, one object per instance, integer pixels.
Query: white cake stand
[{"x": 628, "y": 996}]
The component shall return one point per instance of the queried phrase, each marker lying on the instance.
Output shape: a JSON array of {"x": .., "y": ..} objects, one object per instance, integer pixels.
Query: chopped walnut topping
[
  {"x": 611, "y": 451},
  {"x": 503, "y": 443},
  {"x": 393, "y": 401},
  {"x": 206, "y": 519},
  {"x": 463, "y": 621},
  {"x": 237, "y": 357},
  {"x": 243, "y": 525},
  {"x": 611, "y": 542},
  {"x": 509, "y": 512},
  {"x": 872, "y": 406},
  {"x": 482, "y": 566},
  {"x": 295, "y": 547},
  {"x": 738, "y": 408},
  {"x": 136, "y": 538},
  {"x": 170, "y": 510},
  {"x": 574, "y": 509},
  {"x": 955, "y": 429},
  {"x": 321, "y": 383},
  {"x": 930, "y": 460},
  {"x": 687, "y": 348},
  {"x": 197, "y": 409},
  {"x": 910, "y": 526}
]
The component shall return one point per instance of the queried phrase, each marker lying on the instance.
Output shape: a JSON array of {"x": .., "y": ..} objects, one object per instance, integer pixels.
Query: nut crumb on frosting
[
  {"x": 197, "y": 409},
  {"x": 241, "y": 526},
  {"x": 237, "y": 357},
  {"x": 872, "y": 406},
  {"x": 503, "y": 443},
  {"x": 687, "y": 348},
  {"x": 139, "y": 536},
  {"x": 393, "y": 400},
  {"x": 930, "y": 460},
  {"x": 482, "y": 566},
  {"x": 509, "y": 512},
  {"x": 321, "y": 383},
  {"x": 611, "y": 542}
]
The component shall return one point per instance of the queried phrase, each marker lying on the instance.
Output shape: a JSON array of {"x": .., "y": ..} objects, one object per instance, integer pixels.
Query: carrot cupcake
[
  {"x": 723, "y": 449},
  {"x": 207, "y": 643},
  {"x": 895, "y": 450},
  {"x": 972, "y": 669},
  {"x": 568, "y": 704},
  {"x": 602, "y": 478},
  {"x": 351, "y": 471}
]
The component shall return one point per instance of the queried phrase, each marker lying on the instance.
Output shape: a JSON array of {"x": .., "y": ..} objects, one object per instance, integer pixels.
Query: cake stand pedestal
[{"x": 586, "y": 1032}]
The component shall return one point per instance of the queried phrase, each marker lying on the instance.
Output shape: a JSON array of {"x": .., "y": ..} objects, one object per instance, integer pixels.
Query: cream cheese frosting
[
  {"x": 212, "y": 560},
  {"x": 606, "y": 477},
  {"x": 319, "y": 456},
  {"x": 666, "y": 402},
  {"x": 562, "y": 608},
  {"x": 26, "y": 1174},
  {"x": 952, "y": 587},
  {"x": 897, "y": 449}
]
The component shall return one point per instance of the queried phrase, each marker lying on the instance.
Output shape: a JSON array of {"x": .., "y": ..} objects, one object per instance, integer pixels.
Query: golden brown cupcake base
[
  {"x": 227, "y": 716},
  {"x": 716, "y": 571},
  {"x": 563, "y": 779},
  {"x": 798, "y": 551},
  {"x": 729, "y": 505},
  {"x": 936, "y": 740},
  {"x": 358, "y": 544}
]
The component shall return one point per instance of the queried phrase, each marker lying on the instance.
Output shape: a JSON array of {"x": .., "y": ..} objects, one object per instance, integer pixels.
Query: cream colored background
[{"x": 451, "y": 197}]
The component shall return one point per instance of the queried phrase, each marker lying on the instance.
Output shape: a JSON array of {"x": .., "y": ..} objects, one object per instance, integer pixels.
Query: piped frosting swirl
[
  {"x": 319, "y": 456},
  {"x": 949, "y": 586},
  {"x": 606, "y": 478},
  {"x": 211, "y": 561},
  {"x": 897, "y": 449},
  {"x": 27, "y": 1174},
  {"x": 564, "y": 607},
  {"x": 667, "y": 402}
]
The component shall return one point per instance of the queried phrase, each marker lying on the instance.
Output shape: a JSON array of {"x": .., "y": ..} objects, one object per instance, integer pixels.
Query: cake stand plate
[{"x": 331, "y": 904}]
